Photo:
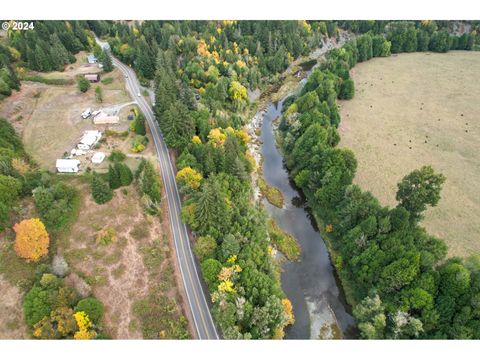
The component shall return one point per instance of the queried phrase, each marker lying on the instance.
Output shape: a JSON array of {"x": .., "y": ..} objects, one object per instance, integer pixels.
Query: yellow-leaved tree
[
  {"x": 217, "y": 137},
  {"x": 188, "y": 177},
  {"x": 85, "y": 325},
  {"x": 237, "y": 91},
  {"x": 31, "y": 241},
  {"x": 288, "y": 310}
]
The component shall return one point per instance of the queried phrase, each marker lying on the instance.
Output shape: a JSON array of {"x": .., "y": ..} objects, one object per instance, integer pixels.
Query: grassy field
[{"x": 416, "y": 109}]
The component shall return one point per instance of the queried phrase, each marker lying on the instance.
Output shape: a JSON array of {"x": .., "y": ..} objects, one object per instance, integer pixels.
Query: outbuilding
[
  {"x": 92, "y": 59},
  {"x": 98, "y": 157},
  {"x": 102, "y": 118},
  {"x": 68, "y": 165},
  {"x": 89, "y": 139},
  {"x": 92, "y": 77}
]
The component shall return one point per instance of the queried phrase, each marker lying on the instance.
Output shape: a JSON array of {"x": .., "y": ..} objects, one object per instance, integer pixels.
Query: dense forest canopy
[{"x": 202, "y": 73}]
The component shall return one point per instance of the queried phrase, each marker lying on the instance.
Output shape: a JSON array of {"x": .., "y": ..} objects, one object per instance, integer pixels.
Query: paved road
[{"x": 199, "y": 308}]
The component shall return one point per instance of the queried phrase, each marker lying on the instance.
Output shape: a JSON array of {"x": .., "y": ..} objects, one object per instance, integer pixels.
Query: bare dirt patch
[
  {"x": 415, "y": 109},
  {"x": 12, "y": 325}
]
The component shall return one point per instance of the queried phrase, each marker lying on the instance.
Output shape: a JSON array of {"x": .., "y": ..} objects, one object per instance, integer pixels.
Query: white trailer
[{"x": 68, "y": 165}]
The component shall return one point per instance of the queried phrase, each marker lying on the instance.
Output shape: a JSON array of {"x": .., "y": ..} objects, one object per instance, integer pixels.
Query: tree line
[
  {"x": 399, "y": 279},
  {"x": 425, "y": 35}
]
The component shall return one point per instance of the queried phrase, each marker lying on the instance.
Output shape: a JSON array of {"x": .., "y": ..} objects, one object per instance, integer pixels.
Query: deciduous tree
[{"x": 32, "y": 240}]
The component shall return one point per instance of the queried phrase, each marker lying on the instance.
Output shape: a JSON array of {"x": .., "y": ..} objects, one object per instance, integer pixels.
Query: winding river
[{"x": 310, "y": 284}]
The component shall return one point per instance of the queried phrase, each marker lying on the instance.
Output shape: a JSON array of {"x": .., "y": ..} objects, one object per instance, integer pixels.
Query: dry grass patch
[
  {"x": 12, "y": 325},
  {"x": 416, "y": 109},
  {"x": 108, "y": 246}
]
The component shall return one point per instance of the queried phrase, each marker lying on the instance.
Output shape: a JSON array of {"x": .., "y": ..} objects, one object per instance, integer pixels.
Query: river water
[{"x": 310, "y": 284}]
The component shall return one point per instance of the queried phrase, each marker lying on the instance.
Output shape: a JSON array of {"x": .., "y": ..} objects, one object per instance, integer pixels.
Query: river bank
[{"x": 311, "y": 283}]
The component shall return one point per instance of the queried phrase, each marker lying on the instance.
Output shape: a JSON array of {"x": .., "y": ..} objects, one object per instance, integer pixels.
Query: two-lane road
[{"x": 199, "y": 308}]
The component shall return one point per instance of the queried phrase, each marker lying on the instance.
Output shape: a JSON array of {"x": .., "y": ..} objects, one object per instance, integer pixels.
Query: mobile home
[{"x": 67, "y": 165}]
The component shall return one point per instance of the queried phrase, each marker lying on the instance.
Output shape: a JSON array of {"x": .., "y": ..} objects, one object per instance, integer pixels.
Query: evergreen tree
[
  {"x": 42, "y": 59},
  {"x": 177, "y": 126},
  {"x": 4, "y": 88},
  {"x": 101, "y": 192},
  {"x": 58, "y": 53},
  {"x": 140, "y": 125},
  {"x": 211, "y": 212},
  {"x": 125, "y": 174},
  {"x": 114, "y": 177},
  {"x": 347, "y": 91},
  {"x": 238, "y": 169},
  {"x": 106, "y": 61},
  {"x": 144, "y": 62}
]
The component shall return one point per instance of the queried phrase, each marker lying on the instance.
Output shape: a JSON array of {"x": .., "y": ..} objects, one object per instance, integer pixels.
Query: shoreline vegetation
[
  {"x": 284, "y": 242},
  {"x": 383, "y": 276}
]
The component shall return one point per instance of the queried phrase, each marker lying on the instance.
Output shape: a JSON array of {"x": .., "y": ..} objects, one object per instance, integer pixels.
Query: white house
[
  {"x": 68, "y": 165},
  {"x": 89, "y": 139},
  {"x": 91, "y": 59},
  {"x": 98, "y": 157}
]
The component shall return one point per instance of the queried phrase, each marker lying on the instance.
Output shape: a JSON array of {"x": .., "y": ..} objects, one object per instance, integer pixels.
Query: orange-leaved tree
[{"x": 31, "y": 240}]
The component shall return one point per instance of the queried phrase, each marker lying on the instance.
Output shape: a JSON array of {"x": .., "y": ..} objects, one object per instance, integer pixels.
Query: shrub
[
  {"x": 49, "y": 281},
  {"x": 98, "y": 94},
  {"x": 117, "y": 156},
  {"x": 31, "y": 241},
  {"x": 92, "y": 307},
  {"x": 210, "y": 270},
  {"x": 139, "y": 125},
  {"x": 205, "y": 247},
  {"x": 139, "y": 143},
  {"x": 101, "y": 192},
  {"x": 37, "y": 304},
  {"x": 107, "y": 81},
  {"x": 60, "y": 266},
  {"x": 106, "y": 236},
  {"x": 83, "y": 84},
  {"x": 347, "y": 91}
]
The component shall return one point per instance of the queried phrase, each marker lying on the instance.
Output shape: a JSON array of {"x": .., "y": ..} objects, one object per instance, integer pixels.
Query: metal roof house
[
  {"x": 68, "y": 165},
  {"x": 92, "y": 59},
  {"x": 105, "y": 118},
  {"x": 92, "y": 77},
  {"x": 89, "y": 139}
]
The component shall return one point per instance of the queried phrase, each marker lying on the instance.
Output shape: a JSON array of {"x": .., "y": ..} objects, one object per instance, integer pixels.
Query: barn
[{"x": 92, "y": 77}]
